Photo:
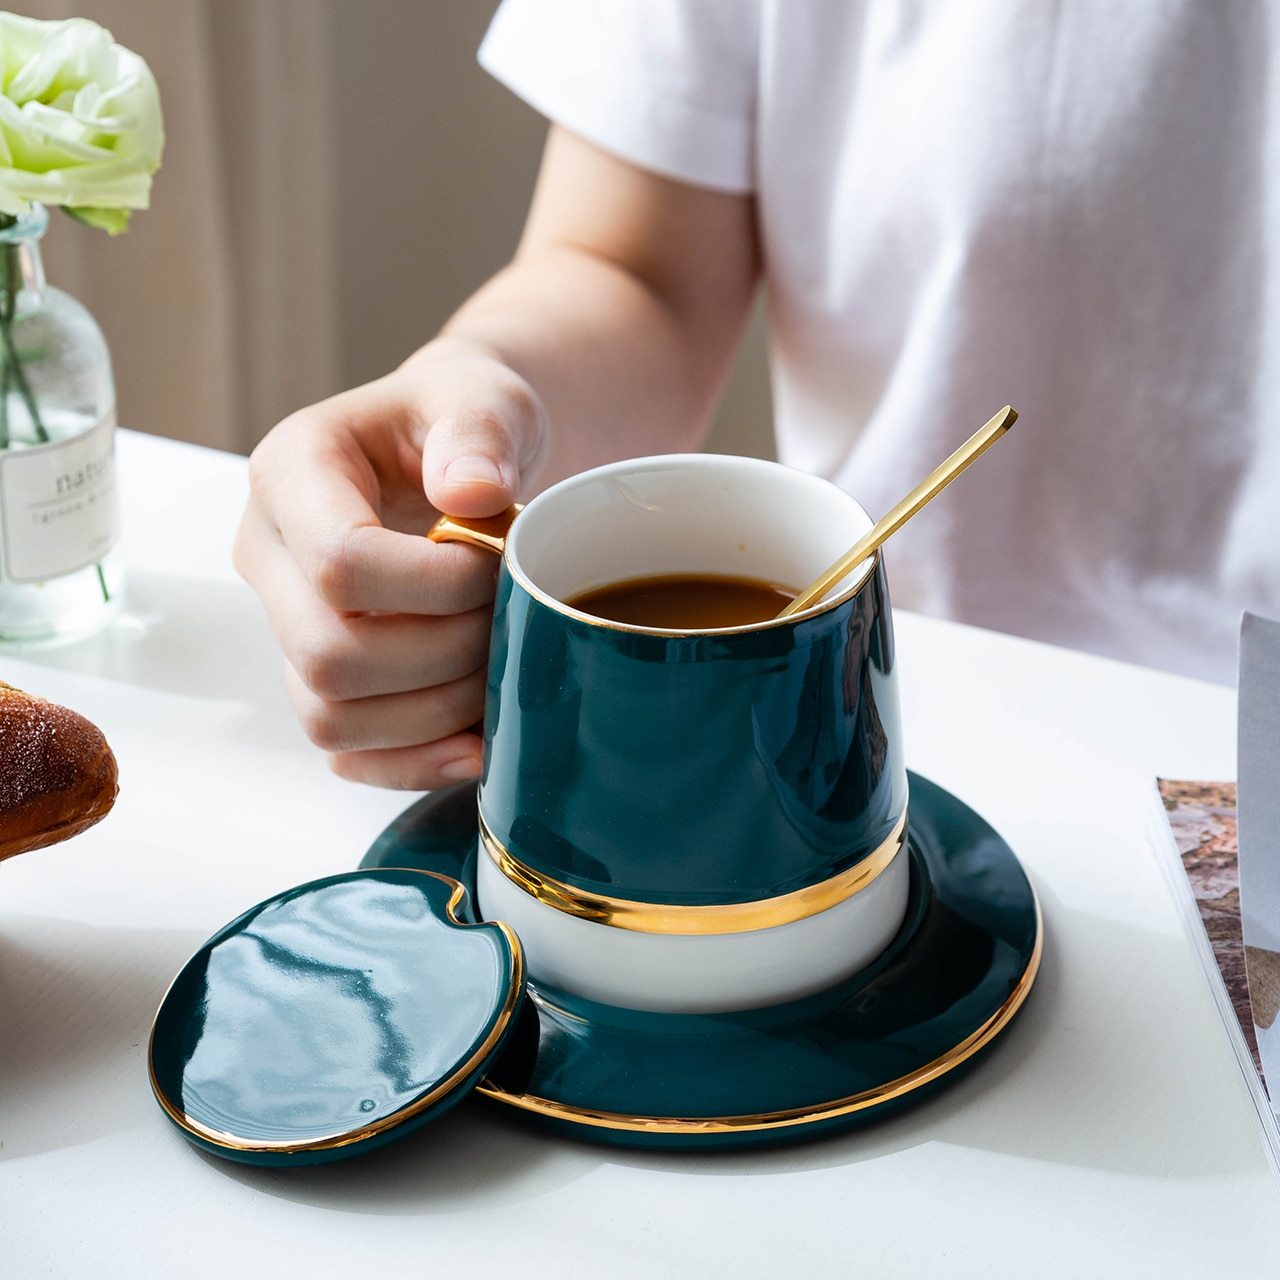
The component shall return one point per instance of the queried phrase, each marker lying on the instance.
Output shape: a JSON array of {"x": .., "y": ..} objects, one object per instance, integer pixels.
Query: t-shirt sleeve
[{"x": 669, "y": 85}]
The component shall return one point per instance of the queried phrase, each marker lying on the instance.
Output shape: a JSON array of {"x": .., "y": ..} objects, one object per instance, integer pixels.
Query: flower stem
[
  {"x": 15, "y": 374},
  {"x": 4, "y": 404},
  {"x": 12, "y": 374},
  {"x": 13, "y": 367}
]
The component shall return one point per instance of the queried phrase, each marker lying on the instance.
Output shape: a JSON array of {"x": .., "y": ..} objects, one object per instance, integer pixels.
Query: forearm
[
  {"x": 621, "y": 309},
  {"x": 609, "y": 335},
  {"x": 617, "y": 368}
]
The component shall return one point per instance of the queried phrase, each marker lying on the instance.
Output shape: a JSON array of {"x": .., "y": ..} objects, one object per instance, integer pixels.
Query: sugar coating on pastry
[{"x": 58, "y": 776}]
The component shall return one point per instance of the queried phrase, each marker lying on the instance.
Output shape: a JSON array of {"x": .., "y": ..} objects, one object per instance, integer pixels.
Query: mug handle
[{"x": 489, "y": 532}]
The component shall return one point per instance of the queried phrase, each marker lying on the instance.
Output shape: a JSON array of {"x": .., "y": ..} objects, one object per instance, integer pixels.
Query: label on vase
[{"x": 58, "y": 505}]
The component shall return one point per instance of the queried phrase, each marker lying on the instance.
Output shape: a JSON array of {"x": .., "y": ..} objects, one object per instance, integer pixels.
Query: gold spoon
[{"x": 889, "y": 524}]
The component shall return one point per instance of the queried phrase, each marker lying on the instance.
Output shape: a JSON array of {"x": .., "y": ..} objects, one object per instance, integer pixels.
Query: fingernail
[
  {"x": 461, "y": 769},
  {"x": 473, "y": 469}
]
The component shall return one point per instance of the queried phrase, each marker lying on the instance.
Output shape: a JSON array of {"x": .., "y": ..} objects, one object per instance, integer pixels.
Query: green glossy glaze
[
  {"x": 968, "y": 939},
  {"x": 698, "y": 769},
  {"x": 335, "y": 1006}
]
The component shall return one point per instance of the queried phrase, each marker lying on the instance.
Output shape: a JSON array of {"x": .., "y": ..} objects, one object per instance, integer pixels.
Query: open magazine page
[{"x": 1194, "y": 835}]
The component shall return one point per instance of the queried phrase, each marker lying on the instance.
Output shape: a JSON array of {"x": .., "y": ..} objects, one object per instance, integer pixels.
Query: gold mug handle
[{"x": 489, "y": 532}]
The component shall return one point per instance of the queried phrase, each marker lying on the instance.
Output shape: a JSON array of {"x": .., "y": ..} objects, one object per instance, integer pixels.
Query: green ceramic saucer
[{"x": 958, "y": 971}]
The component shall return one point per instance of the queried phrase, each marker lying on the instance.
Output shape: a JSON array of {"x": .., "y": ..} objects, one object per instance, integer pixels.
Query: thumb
[{"x": 475, "y": 459}]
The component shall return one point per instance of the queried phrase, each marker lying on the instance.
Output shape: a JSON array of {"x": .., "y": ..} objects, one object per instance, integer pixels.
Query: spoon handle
[{"x": 893, "y": 520}]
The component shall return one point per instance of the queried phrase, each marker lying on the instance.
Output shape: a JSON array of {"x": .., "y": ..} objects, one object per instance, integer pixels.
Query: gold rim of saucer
[
  {"x": 814, "y": 1113},
  {"x": 669, "y": 918}
]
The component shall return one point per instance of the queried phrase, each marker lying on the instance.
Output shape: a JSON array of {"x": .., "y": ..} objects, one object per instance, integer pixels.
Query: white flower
[{"x": 80, "y": 122}]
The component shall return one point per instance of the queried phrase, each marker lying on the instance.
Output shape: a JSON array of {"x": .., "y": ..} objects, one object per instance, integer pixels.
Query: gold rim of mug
[
  {"x": 813, "y": 1113},
  {"x": 751, "y": 628},
  {"x": 493, "y": 533},
  {"x": 682, "y": 920}
]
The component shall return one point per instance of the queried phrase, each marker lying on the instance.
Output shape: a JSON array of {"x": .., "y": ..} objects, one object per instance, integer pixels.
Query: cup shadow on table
[
  {"x": 472, "y": 1157},
  {"x": 200, "y": 638},
  {"x": 999, "y": 1103},
  {"x": 76, "y": 1003}
]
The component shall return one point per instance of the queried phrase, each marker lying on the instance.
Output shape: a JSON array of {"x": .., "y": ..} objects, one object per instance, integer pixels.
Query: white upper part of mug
[{"x": 686, "y": 513}]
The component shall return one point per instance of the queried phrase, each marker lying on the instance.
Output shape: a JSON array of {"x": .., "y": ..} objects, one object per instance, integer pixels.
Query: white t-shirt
[{"x": 1064, "y": 207}]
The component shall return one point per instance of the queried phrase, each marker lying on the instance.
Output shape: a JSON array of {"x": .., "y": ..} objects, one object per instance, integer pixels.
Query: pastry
[{"x": 57, "y": 774}]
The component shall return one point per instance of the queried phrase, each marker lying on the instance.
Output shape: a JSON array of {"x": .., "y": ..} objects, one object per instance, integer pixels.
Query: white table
[{"x": 1108, "y": 1133}]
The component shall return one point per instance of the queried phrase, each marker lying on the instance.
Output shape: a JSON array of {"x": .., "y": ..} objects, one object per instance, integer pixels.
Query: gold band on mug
[{"x": 727, "y": 917}]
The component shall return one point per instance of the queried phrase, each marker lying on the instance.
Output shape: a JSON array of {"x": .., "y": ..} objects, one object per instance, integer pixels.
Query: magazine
[{"x": 1194, "y": 835}]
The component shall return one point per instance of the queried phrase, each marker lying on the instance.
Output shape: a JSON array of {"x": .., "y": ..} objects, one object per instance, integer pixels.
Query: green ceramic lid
[{"x": 333, "y": 1018}]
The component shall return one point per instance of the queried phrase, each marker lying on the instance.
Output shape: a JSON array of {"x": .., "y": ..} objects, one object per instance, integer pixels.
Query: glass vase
[{"x": 60, "y": 576}]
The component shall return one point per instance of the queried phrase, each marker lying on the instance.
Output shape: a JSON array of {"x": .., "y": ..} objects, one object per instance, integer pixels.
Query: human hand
[{"x": 385, "y": 634}]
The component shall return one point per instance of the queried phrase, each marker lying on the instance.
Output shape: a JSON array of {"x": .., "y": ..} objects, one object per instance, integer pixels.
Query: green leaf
[{"x": 112, "y": 221}]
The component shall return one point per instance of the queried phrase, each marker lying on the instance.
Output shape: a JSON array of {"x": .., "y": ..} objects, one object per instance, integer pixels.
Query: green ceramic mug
[{"x": 698, "y": 820}]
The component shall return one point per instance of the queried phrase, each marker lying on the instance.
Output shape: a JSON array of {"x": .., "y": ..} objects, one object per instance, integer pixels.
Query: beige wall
[
  {"x": 339, "y": 175},
  {"x": 418, "y": 232}
]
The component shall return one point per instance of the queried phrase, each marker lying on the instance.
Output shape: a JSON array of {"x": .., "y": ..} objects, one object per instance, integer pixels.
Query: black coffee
[{"x": 686, "y": 601}]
